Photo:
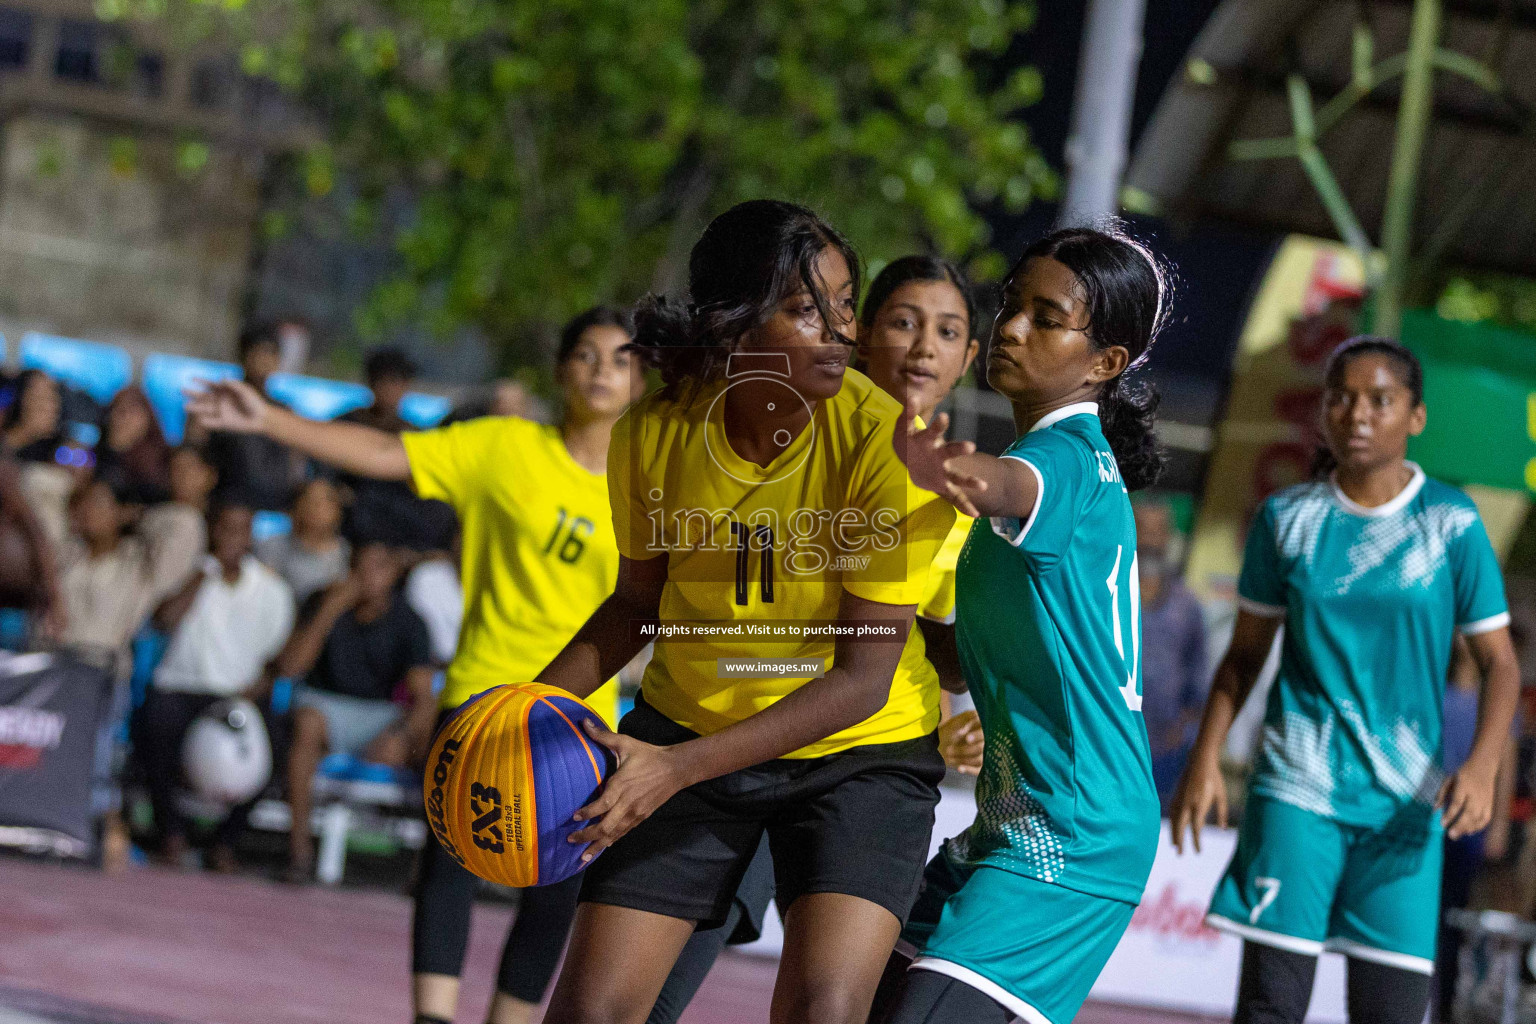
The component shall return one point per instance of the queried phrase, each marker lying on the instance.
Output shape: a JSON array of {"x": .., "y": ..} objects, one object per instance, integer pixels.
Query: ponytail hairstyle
[
  {"x": 1126, "y": 287},
  {"x": 918, "y": 268},
  {"x": 1409, "y": 371},
  {"x": 748, "y": 260}
]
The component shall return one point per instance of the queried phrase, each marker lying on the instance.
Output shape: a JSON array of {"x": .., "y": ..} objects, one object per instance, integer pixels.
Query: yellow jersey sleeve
[
  {"x": 627, "y": 483},
  {"x": 451, "y": 463},
  {"x": 938, "y": 601},
  {"x": 908, "y": 525}
]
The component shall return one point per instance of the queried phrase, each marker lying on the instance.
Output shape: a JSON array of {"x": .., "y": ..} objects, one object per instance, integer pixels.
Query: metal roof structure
[{"x": 1477, "y": 188}]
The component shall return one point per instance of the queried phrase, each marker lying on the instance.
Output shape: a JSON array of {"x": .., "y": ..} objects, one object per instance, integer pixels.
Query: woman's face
[
  {"x": 1369, "y": 414},
  {"x": 813, "y": 352},
  {"x": 1041, "y": 354},
  {"x": 600, "y": 378},
  {"x": 128, "y": 420},
  {"x": 918, "y": 344},
  {"x": 41, "y": 405}
]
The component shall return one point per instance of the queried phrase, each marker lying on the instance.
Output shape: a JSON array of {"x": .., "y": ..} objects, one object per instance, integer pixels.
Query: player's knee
[
  {"x": 594, "y": 1008},
  {"x": 827, "y": 1001}
]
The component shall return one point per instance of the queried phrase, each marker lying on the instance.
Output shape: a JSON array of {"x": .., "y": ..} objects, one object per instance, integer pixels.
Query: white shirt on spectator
[
  {"x": 230, "y": 632},
  {"x": 434, "y": 592}
]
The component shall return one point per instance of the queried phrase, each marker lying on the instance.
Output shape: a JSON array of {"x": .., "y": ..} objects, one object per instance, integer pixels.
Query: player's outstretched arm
[
  {"x": 1201, "y": 789},
  {"x": 235, "y": 406},
  {"x": 976, "y": 484},
  {"x": 857, "y": 685}
]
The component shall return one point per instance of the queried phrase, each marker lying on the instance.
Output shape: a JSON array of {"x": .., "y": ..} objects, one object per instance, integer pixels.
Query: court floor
[{"x": 162, "y": 947}]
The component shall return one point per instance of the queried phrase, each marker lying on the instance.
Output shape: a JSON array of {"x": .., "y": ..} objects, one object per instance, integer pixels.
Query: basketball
[{"x": 504, "y": 776}]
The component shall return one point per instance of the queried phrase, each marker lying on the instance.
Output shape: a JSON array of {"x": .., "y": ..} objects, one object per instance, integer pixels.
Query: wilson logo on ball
[{"x": 508, "y": 770}]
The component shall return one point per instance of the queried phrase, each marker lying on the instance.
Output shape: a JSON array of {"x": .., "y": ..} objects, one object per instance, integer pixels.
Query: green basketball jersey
[
  {"x": 1370, "y": 598},
  {"x": 1049, "y": 631}
]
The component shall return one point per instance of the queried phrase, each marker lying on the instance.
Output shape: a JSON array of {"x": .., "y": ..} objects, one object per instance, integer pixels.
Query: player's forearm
[
  {"x": 1227, "y": 695},
  {"x": 601, "y": 647},
  {"x": 1006, "y": 494},
  {"x": 1495, "y": 712},
  {"x": 821, "y": 708},
  {"x": 350, "y": 447}
]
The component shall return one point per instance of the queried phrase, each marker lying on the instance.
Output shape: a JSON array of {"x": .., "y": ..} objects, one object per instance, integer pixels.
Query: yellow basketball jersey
[
  {"x": 938, "y": 601},
  {"x": 757, "y": 545},
  {"x": 539, "y": 553}
]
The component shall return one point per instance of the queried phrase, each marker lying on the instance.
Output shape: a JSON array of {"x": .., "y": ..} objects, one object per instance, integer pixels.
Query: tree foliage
[{"x": 561, "y": 152}]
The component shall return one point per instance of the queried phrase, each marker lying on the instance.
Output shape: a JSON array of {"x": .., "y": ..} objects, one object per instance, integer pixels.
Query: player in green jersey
[
  {"x": 1372, "y": 568},
  {"x": 1020, "y": 912}
]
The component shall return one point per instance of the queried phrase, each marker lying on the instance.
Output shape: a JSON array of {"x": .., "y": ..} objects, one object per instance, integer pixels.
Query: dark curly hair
[
  {"x": 743, "y": 265},
  {"x": 1126, "y": 287}
]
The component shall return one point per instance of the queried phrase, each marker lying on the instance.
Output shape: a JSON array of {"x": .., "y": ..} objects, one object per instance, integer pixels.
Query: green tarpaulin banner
[{"x": 1480, "y": 387}]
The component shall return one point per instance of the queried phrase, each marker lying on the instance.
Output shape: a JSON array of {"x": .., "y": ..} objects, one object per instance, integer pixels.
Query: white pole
[{"x": 1101, "y": 110}]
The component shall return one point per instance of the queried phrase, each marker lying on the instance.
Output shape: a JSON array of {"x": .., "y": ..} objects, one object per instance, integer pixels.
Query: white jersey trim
[
  {"x": 1290, "y": 943},
  {"x": 1034, "y": 513},
  {"x": 1487, "y": 625},
  {"x": 1259, "y": 608},
  {"x": 1360, "y": 951},
  {"x": 986, "y": 986},
  {"x": 1403, "y": 497},
  {"x": 1055, "y": 416}
]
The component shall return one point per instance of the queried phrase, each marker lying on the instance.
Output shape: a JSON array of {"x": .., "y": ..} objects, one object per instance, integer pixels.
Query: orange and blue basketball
[{"x": 504, "y": 776}]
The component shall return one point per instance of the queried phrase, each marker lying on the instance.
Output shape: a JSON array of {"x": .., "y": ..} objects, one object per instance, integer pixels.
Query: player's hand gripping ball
[{"x": 504, "y": 776}]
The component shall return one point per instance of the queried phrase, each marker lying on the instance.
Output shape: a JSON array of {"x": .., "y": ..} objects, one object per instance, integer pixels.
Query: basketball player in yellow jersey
[
  {"x": 751, "y": 494},
  {"x": 539, "y": 556},
  {"x": 915, "y": 339}
]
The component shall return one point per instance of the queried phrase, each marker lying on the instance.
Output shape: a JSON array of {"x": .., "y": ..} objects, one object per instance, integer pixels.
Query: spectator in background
[
  {"x": 265, "y": 474},
  {"x": 110, "y": 580},
  {"x": 33, "y": 424},
  {"x": 435, "y": 592},
  {"x": 388, "y": 511},
  {"x": 389, "y": 373},
  {"x": 1464, "y": 857},
  {"x": 29, "y": 577},
  {"x": 226, "y": 624},
  {"x": 133, "y": 449},
  {"x": 359, "y": 641},
  {"x": 178, "y": 528},
  {"x": 1174, "y": 673},
  {"x": 313, "y": 555}
]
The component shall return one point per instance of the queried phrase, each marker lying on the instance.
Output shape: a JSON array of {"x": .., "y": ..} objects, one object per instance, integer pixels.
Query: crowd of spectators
[{"x": 116, "y": 542}]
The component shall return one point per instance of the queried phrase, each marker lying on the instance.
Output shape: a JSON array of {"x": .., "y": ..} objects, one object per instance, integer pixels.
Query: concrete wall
[{"x": 107, "y": 240}]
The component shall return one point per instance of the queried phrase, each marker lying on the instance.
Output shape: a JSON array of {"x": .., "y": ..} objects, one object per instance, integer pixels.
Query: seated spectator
[
  {"x": 435, "y": 592},
  {"x": 388, "y": 373},
  {"x": 110, "y": 580},
  {"x": 1174, "y": 675},
  {"x": 33, "y": 424},
  {"x": 360, "y": 642},
  {"x": 178, "y": 528},
  {"x": 134, "y": 449},
  {"x": 29, "y": 577},
  {"x": 313, "y": 555},
  {"x": 386, "y": 511},
  {"x": 265, "y": 474},
  {"x": 226, "y": 624}
]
